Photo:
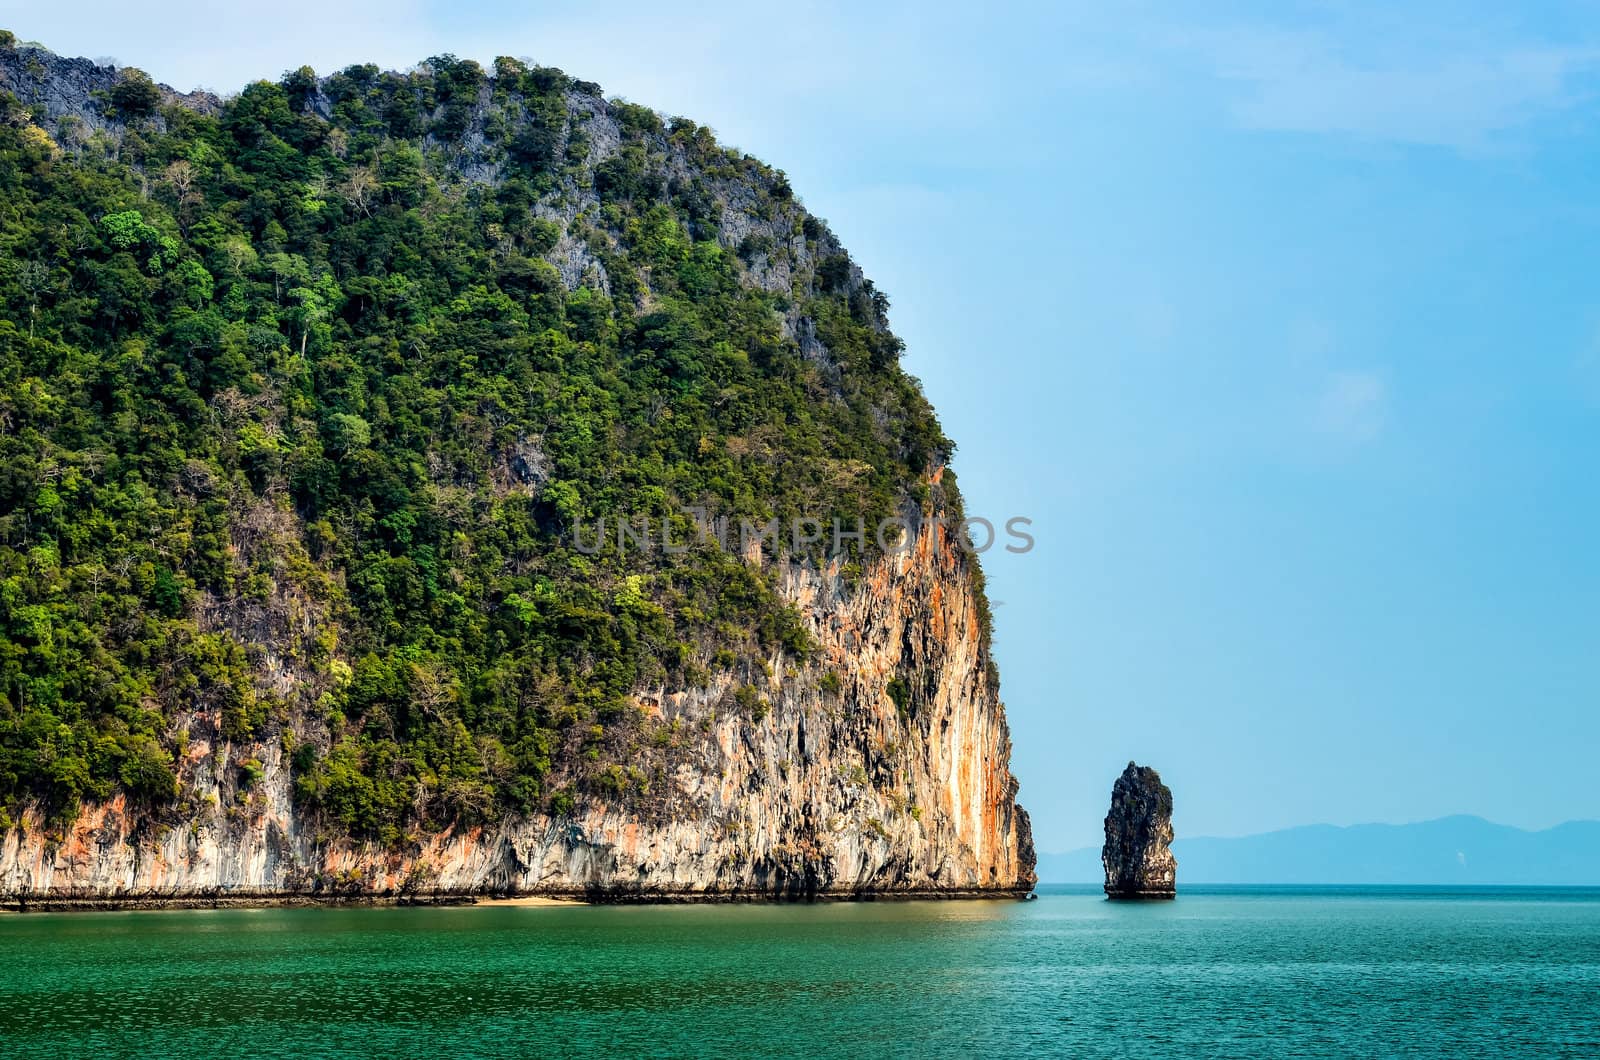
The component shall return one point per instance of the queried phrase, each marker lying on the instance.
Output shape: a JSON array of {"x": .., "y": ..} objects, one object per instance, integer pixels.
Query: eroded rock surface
[
  {"x": 1137, "y": 856},
  {"x": 837, "y": 790}
]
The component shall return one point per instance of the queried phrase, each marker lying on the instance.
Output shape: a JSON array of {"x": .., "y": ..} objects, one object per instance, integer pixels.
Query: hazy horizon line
[{"x": 1360, "y": 824}]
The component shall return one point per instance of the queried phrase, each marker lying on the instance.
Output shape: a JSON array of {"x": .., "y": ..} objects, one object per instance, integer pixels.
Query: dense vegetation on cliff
[{"x": 302, "y": 391}]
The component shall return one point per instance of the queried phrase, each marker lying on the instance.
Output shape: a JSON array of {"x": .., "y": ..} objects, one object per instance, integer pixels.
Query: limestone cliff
[
  {"x": 836, "y": 790},
  {"x": 876, "y": 764},
  {"x": 1137, "y": 856}
]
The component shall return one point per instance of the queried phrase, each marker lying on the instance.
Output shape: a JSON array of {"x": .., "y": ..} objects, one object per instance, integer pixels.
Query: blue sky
[{"x": 1281, "y": 321}]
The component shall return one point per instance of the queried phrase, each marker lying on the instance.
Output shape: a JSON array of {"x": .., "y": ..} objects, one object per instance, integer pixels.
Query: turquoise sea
[{"x": 1222, "y": 972}]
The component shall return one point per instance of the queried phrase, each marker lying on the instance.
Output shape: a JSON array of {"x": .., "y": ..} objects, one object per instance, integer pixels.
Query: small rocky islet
[{"x": 1138, "y": 851}]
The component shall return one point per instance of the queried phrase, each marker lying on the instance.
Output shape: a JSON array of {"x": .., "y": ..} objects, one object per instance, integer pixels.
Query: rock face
[
  {"x": 73, "y": 89},
  {"x": 1137, "y": 856},
  {"x": 839, "y": 790}
]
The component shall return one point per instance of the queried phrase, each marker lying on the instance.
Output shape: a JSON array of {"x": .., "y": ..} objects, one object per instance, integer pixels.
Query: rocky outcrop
[
  {"x": 1137, "y": 856},
  {"x": 76, "y": 96},
  {"x": 750, "y": 211},
  {"x": 838, "y": 784},
  {"x": 879, "y": 765}
]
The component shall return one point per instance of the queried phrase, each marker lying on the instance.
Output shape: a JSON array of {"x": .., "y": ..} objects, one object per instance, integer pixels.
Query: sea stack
[{"x": 1137, "y": 855}]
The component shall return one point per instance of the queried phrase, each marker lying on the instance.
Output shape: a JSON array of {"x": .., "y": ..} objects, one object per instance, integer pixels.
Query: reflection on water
[{"x": 1249, "y": 972}]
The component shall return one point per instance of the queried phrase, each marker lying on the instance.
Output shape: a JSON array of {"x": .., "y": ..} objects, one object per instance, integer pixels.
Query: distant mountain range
[{"x": 1450, "y": 850}]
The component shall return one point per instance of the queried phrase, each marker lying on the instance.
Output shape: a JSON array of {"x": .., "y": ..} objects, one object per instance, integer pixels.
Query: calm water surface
[{"x": 1237, "y": 973}]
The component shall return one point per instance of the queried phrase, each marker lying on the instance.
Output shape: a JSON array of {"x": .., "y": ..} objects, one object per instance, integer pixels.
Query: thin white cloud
[
  {"x": 1380, "y": 80},
  {"x": 1455, "y": 103},
  {"x": 1353, "y": 407}
]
